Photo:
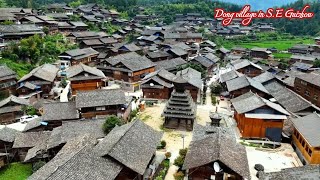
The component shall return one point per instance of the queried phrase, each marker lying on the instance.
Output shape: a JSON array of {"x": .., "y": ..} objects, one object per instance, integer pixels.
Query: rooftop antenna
[{"x": 217, "y": 167}]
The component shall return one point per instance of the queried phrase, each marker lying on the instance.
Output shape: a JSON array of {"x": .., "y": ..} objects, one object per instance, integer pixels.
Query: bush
[
  {"x": 163, "y": 143},
  {"x": 179, "y": 161},
  {"x": 214, "y": 100},
  {"x": 63, "y": 83},
  {"x": 133, "y": 114},
  {"x": 168, "y": 155},
  {"x": 37, "y": 165},
  {"x": 110, "y": 123},
  {"x": 178, "y": 175},
  {"x": 29, "y": 110},
  {"x": 183, "y": 152},
  {"x": 216, "y": 88}
]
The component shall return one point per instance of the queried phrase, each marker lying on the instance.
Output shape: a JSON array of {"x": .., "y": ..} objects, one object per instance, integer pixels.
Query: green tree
[
  {"x": 111, "y": 122},
  {"x": 316, "y": 63}
]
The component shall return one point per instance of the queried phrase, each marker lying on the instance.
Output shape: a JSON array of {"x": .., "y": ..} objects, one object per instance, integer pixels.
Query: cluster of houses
[{"x": 75, "y": 94}]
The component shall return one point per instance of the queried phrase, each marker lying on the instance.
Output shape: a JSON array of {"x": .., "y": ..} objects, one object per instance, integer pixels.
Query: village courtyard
[{"x": 176, "y": 139}]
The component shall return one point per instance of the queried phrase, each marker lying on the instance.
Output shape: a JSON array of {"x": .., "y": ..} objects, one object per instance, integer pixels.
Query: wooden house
[
  {"x": 301, "y": 49},
  {"x": 89, "y": 154},
  {"x": 8, "y": 80},
  {"x": 308, "y": 59},
  {"x": 177, "y": 52},
  {"x": 243, "y": 84},
  {"x": 257, "y": 117},
  {"x": 214, "y": 154},
  {"x": 91, "y": 104},
  {"x": 305, "y": 138},
  {"x": 11, "y": 109},
  {"x": 128, "y": 69},
  {"x": 247, "y": 67},
  {"x": 7, "y": 137},
  {"x": 158, "y": 56},
  {"x": 158, "y": 84},
  {"x": 126, "y": 48},
  {"x": 84, "y": 78},
  {"x": 194, "y": 82},
  {"x": 308, "y": 171},
  {"x": 77, "y": 56},
  {"x": 239, "y": 51},
  {"x": 209, "y": 44},
  {"x": 262, "y": 53},
  {"x": 41, "y": 79},
  {"x": 290, "y": 100},
  {"x": 28, "y": 141},
  {"x": 16, "y": 32},
  {"x": 205, "y": 63},
  {"x": 56, "y": 112},
  {"x": 171, "y": 65},
  {"x": 308, "y": 86}
]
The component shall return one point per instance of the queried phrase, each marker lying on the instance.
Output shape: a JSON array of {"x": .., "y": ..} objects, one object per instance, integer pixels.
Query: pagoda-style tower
[{"x": 180, "y": 110}]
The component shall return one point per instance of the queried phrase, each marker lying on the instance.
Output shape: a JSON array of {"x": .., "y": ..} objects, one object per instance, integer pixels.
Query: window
[
  {"x": 315, "y": 97},
  {"x": 307, "y": 93},
  {"x": 101, "y": 108},
  {"x": 303, "y": 143},
  {"x": 304, "y": 83},
  {"x": 298, "y": 89}
]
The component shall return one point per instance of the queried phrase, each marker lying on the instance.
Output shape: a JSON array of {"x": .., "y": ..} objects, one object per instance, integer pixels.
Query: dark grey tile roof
[
  {"x": 30, "y": 139},
  {"x": 203, "y": 61},
  {"x": 229, "y": 76},
  {"x": 76, "y": 160},
  {"x": 192, "y": 76},
  {"x": 308, "y": 172},
  {"x": 47, "y": 72},
  {"x": 77, "y": 72},
  {"x": 20, "y": 29},
  {"x": 157, "y": 54},
  {"x": 242, "y": 82},
  {"x": 309, "y": 128},
  {"x": 81, "y": 53},
  {"x": 250, "y": 101},
  {"x": 264, "y": 77},
  {"x": 170, "y": 64},
  {"x": 287, "y": 98},
  {"x": 217, "y": 145},
  {"x": 163, "y": 77},
  {"x": 178, "y": 51},
  {"x": 60, "y": 111},
  {"x": 8, "y": 134},
  {"x": 133, "y": 145},
  {"x": 212, "y": 57},
  {"x": 78, "y": 24},
  {"x": 38, "y": 150},
  {"x": 14, "y": 99},
  {"x": 6, "y": 73},
  {"x": 72, "y": 129},
  {"x": 132, "y": 61},
  {"x": 32, "y": 124},
  {"x": 131, "y": 47},
  {"x": 239, "y": 64},
  {"x": 311, "y": 78},
  {"x": 100, "y": 98}
]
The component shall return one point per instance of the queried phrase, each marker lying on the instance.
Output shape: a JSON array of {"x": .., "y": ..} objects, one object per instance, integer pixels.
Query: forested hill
[
  {"x": 300, "y": 27},
  {"x": 168, "y": 9}
]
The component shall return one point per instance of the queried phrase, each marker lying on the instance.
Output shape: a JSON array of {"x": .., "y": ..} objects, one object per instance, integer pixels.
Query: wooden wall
[
  {"x": 156, "y": 93},
  {"x": 301, "y": 86},
  {"x": 255, "y": 128},
  {"x": 85, "y": 85},
  {"x": 300, "y": 142}
]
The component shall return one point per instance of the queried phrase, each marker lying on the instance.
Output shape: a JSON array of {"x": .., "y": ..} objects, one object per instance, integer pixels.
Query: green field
[
  {"x": 16, "y": 171},
  {"x": 282, "y": 55},
  {"x": 278, "y": 44}
]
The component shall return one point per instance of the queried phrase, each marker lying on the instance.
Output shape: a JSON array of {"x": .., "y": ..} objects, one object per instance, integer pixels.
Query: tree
[
  {"x": 316, "y": 63},
  {"x": 29, "y": 110},
  {"x": 216, "y": 88},
  {"x": 37, "y": 165},
  {"x": 111, "y": 122}
]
